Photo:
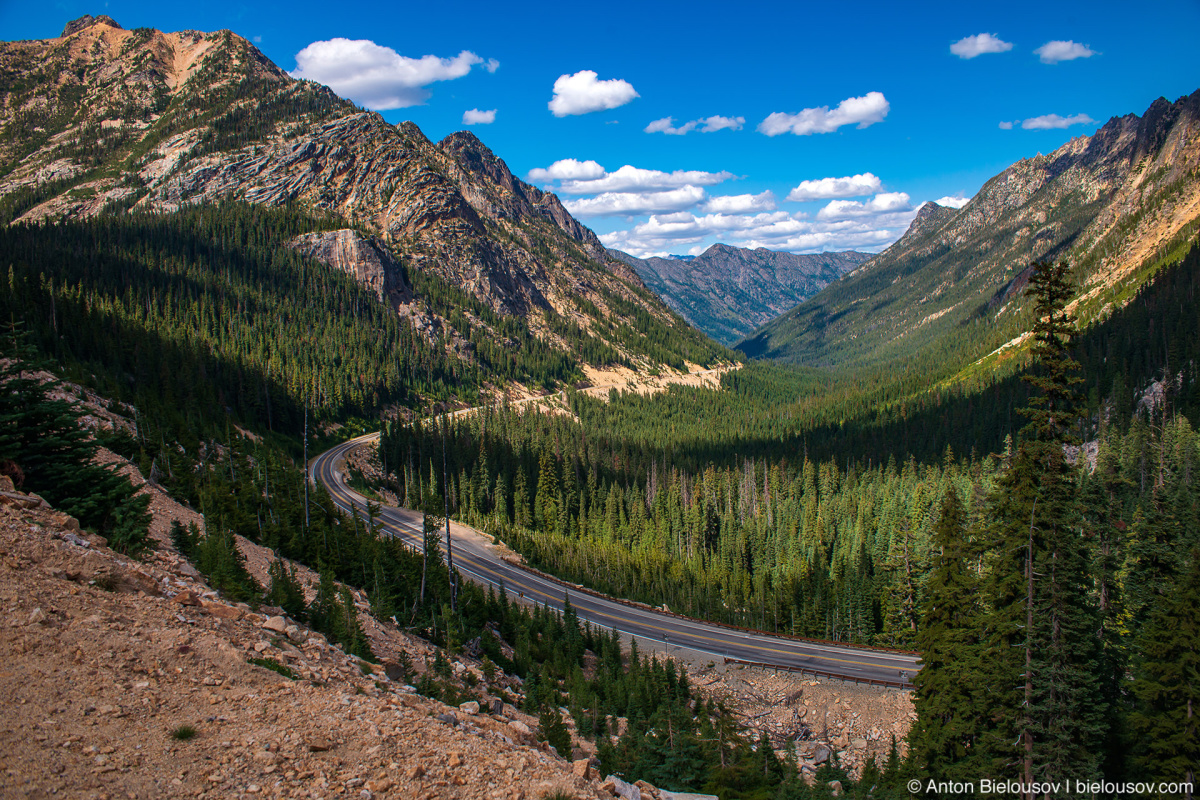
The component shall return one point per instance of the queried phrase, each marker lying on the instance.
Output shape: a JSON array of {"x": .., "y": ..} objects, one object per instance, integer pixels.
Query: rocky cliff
[
  {"x": 727, "y": 291},
  {"x": 1114, "y": 205},
  {"x": 104, "y": 119}
]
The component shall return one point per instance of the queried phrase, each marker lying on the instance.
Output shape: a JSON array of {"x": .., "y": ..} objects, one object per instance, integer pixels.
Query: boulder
[
  {"x": 187, "y": 598},
  {"x": 470, "y": 707},
  {"x": 626, "y": 791},
  {"x": 277, "y": 624},
  {"x": 221, "y": 611},
  {"x": 582, "y": 768}
]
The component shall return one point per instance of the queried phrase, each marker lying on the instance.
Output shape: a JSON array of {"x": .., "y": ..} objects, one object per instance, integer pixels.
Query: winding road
[{"x": 478, "y": 558}]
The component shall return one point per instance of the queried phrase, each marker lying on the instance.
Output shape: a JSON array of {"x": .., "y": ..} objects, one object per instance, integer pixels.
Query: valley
[{"x": 776, "y": 522}]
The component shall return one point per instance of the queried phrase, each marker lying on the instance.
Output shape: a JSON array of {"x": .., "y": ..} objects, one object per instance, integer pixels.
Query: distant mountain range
[
  {"x": 727, "y": 291},
  {"x": 1114, "y": 205}
]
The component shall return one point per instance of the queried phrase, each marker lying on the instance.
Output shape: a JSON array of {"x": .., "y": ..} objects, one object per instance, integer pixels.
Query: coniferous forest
[{"x": 1035, "y": 536}]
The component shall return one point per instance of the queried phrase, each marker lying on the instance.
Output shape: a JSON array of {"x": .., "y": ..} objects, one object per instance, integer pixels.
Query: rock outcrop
[{"x": 366, "y": 260}]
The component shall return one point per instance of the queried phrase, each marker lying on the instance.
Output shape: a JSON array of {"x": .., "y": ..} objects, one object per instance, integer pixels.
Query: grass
[
  {"x": 183, "y": 733},
  {"x": 274, "y": 666}
]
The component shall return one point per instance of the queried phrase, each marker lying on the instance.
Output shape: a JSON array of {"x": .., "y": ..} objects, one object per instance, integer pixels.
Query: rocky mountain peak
[
  {"x": 189, "y": 117},
  {"x": 1109, "y": 204},
  {"x": 87, "y": 21}
]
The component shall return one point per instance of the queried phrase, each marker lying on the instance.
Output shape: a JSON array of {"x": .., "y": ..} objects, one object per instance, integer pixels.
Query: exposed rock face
[
  {"x": 366, "y": 260},
  {"x": 192, "y": 117},
  {"x": 1107, "y": 203},
  {"x": 727, "y": 291},
  {"x": 87, "y": 21}
]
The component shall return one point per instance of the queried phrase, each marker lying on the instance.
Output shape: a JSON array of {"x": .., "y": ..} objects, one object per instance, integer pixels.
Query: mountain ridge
[
  {"x": 1113, "y": 204},
  {"x": 104, "y": 120},
  {"x": 727, "y": 291}
]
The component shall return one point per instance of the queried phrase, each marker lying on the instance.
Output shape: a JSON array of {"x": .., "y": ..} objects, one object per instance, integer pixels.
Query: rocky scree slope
[
  {"x": 103, "y": 119},
  {"x": 1113, "y": 204},
  {"x": 107, "y": 657},
  {"x": 727, "y": 291}
]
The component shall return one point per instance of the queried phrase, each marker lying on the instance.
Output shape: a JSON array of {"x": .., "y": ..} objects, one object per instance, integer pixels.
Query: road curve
[{"x": 478, "y": 558}]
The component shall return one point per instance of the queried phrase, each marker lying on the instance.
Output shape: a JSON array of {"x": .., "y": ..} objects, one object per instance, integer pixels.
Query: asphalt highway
[{"x": 476, "y": 557}]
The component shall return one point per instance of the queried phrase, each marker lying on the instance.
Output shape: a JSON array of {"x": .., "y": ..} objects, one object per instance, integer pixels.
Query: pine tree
[
  {"x": 44, "y": 445},
  {"x": 942, "y": 739},
  {"x": 553, "y": 731},
  {"x": 1166, "y": 686},
  {"x": 285, "y": 590},
  {"x": 1046, "y": 705}
]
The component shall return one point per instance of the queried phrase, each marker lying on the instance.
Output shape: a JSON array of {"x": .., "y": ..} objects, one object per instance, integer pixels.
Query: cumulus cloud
[
  {"x": 885, "y": 203},
  {"x": 634, "y": 179},
  {"x": 1006, "y": 125},
  {"x": 667, "y": 125},
  {"x": 952, "y": 202},
  {"x": 1056, "y": 51},
  {"x": 583, "y": 93},
  {"x": 629, "y": 204},
  {"x": 861, "y": 111},
  {"x": 474, "y": 116},
  {"x": 675, "y": 232},
  {"x": 826, "y": 188},
  {"x": 567, "y": 169},
  {"x": 378, "y": 77},
  {"x": 1053, "y": 121},
  {"x": 979, "y": 44},
  {"x": 719, "y": 123},
  {"x": 704, "y": 125},
  {"x": 740, "y": 203}
]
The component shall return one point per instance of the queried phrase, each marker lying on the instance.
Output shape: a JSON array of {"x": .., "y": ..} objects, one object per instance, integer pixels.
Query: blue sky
[{"x": 858, "y": 111}]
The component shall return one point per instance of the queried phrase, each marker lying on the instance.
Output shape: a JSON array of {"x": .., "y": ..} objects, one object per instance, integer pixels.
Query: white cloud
[
  {"x": 1053, "y": 121},
  {"x": 740, "y": 203},
  {"x": 952, "y": 202},
  {"x": 567, "y": 169},
  {"x": 634, "y": 179},
  {"x": 491, "y": 65},
  {"x": 719, "y": 123},
  {"x": 257, "y": 40},
  {"x": 861, "y": 111},
  {"x": 979, "y": 44},
  {"x": 704, "y": 124},
  {"x": 582, "y": 93},
  {"x": 1006, "y": 126},
  {"x": 634, "y": 203},
  {"x": 887, "y": 202},
  {"x": 667, "y": 125},
  {"x": 378, "y": 77},
  {"x": 673, "y": 233},
  {"x": 473, "y": 116},
  {"x": 826, "y": 188},
  {"x": 1056, "y": 51}
]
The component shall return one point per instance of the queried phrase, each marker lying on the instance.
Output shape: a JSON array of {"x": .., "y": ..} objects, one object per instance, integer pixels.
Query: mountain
[
  {"x": 105, "y": 120},
  {"x": 729, "y": 291},
  {"x": 1116, "y": 205}
]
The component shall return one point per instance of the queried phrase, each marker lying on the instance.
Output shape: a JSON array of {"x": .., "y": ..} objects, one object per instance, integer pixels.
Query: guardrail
[{"x": 820, "y": 673}]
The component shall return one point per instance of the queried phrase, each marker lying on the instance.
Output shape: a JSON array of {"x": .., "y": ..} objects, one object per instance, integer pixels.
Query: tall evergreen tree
[
  {"x": 1166, "y": 684},
  {"x": 942, "y": 739},
  {"x": 1042, "y": 648}
]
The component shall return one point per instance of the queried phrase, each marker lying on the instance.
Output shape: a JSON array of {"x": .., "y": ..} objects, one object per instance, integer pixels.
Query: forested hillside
[
  {"x": 1114, "y": 205},
  {"x": 1039, "y": 582},
  {"x": 104, "y": 121}
]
